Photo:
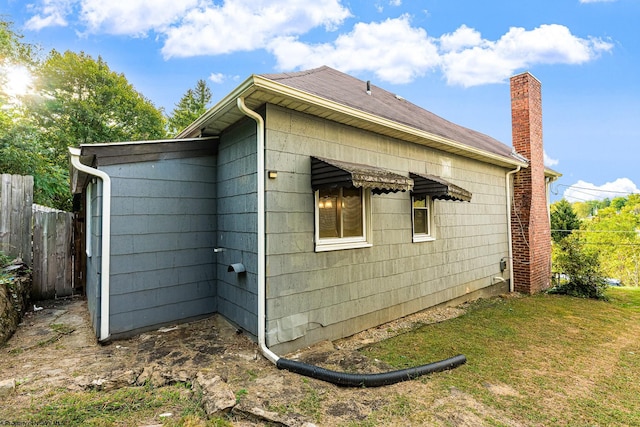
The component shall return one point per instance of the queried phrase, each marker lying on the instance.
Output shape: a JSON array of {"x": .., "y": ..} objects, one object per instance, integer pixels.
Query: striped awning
[
  {"x": 438, "y": 188},
  {"x": 326, "y": 173}
]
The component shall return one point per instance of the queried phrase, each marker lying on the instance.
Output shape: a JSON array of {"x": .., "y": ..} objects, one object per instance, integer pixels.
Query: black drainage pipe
[{"x": 369, "y": 380}]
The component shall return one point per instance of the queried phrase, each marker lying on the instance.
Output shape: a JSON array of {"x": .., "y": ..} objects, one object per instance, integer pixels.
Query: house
[{"x": 309, "y": 206}]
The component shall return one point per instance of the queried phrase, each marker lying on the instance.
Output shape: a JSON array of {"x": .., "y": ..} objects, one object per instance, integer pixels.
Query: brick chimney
[{"x": 530, "y": 227}]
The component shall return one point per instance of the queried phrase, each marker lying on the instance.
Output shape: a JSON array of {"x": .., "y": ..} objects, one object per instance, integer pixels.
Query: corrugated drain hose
[{"x": 369, "y": 380}]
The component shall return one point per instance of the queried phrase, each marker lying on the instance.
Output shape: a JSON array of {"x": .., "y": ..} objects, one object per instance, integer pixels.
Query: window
[
  {"x": 422, "y": 219},
  {"x": 341, "y": 218}
]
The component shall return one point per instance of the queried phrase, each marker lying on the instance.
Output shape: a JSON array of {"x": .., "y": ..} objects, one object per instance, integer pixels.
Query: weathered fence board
[
  {"x": 52, "y": 253},
  {"x": 16, "y": 198},
  {"x": 42, "y": 237}
]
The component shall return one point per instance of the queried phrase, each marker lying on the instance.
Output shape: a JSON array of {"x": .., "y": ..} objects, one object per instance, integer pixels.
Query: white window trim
[
  {"x": 422, "y": 237},
  {"x": 336, "y": 244}
]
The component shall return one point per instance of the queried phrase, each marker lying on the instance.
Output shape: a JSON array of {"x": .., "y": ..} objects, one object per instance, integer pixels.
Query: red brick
[{"x": 529, "y": 218}]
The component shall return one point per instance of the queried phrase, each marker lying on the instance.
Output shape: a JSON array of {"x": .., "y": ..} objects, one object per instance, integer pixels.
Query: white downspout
[
  {"x": 510, "y": 236},
  {"x": 106, "y": 239},
  {"x": 262, "y": 296}
]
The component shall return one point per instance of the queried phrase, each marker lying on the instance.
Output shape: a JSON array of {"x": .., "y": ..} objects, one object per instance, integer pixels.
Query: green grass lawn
[
  {"x": 561, "y": 360},
  {"x": 129, "y": 406},
  {"x": 543, "y": 360}
]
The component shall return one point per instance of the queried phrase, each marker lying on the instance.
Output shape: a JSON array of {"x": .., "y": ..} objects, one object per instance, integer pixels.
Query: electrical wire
[
  {"x": 596, "y": 189},
  {"x": 524, "y": 235},
  {"x": 599, "y": 231},
  {"x": 610, "y": 244},
  {"x": 592, "y": 190}
]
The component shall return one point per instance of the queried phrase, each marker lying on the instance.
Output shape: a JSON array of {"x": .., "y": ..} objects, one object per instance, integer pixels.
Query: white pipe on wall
[
  {"x": 262, "y": 297},
  {"x": 509, "y": 234},
  {"x": 106, "y": 239}
]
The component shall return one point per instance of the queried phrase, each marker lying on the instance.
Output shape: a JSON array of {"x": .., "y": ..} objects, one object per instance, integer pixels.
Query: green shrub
[
  {"x": 4, "y": 259},
  {"x": 580, "y": 269}
]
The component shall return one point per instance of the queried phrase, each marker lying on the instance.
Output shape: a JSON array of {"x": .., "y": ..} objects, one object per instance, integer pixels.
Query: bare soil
[{"x": 55, "y": 349}]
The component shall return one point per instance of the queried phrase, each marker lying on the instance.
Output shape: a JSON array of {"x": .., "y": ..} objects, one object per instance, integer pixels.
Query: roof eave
[
  {"x": 194, "y": 129},
  {"x": 552, "y": 174},
  {"x": 258, "y": 87}
]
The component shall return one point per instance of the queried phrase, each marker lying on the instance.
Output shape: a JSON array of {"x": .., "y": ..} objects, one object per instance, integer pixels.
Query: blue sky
[{"x": 451, "y": 57}]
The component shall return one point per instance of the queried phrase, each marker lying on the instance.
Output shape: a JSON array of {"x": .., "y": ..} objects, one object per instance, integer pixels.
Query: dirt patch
[
  {"x": 396, "y": 327},
  {"x": 56, "y": 349},
  {"x": 462, "y": 410}
]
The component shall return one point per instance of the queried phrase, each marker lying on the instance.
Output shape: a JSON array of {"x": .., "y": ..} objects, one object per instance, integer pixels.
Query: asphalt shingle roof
[{"x": 333, "y": 85}]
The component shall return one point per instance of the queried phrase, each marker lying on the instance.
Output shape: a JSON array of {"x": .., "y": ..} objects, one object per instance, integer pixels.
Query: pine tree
[
  {"x": 192, "y": 105},
  {"x": 563, "y": 220}
]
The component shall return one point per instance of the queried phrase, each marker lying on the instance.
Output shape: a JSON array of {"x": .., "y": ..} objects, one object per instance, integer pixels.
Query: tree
[
  {"x": 563, "y": 220},
  {"x": 75, "y": 100},
  {"x": 192, "y": 105},
  {"x": 581, "y": 266},
  {"x": 81, "y": 101},
  {"x": 13, "y": 52},
  {"x": 614, "y": 231},
  {"x": 22, "y": 152},
  {"x": 618, "y": 203}
]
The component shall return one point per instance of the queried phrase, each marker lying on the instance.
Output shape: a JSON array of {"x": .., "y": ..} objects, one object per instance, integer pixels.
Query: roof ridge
[{"x": 291, "y": 74}]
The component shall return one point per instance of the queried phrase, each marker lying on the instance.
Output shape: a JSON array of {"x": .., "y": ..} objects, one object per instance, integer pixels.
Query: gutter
[
  {"x": 509, "y": 233},
  {"x": 262, "y": 89},
  {"x": 262, "y": 296},
  {"x": 444, "y": 143},
  {"x": 312, "y": 371},
  {"x": 105, "y": 240},
  {"x": 230, "y": 99}
]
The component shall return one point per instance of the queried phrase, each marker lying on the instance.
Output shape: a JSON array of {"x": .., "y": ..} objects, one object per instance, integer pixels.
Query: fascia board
[
  {"x": 455, "y": 146},
  {"x": 241, "y": 90},
  {"x": 256, "y": 84}
]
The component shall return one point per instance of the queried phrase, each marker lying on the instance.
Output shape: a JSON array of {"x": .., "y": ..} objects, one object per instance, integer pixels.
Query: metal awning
[
  {"x": 326, "y": 173},
  {"x": 438, "y": 188}
]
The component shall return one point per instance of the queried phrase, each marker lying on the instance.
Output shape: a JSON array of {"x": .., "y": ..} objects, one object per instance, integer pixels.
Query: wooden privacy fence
[
  {"x": 42, "y": 237},
  {"x": 16, "y": 198},
  {"x": 52, "y": 253}
]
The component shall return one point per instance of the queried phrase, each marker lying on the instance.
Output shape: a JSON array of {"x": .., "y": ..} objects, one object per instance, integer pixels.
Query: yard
[{"x": 532, "y": 361}]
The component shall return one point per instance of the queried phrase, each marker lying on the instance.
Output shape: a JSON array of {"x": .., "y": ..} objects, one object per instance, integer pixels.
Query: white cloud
[
  {"x": 469, "y": 60},
  {"x": 217, "y": 77},
  {"x": 132, "y": 17},
  {"x": 597, "y": 1},
  {"x": 582, "y": 191},
  {"x": 548, "y": 161},
  {"x": 393, "y": 49},
  {"x": 52, "y": 13},
  {"x": 462, "y": 38},
  {"x": 196, "y": 27},
  {"x": 244, "y": 25},
  {"x": 398, "y": 52}
]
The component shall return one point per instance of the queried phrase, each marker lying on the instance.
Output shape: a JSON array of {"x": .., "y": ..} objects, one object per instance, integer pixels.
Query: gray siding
[
  {"x": 326, "y": 295},
  {"x": 93, "y": 262},
  {"x": 237, "y": 225},
  {"x": 163, "y": 231}
]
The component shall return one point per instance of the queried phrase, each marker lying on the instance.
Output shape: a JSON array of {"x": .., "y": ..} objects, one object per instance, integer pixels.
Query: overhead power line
[
  {"x": 599, "y": 190},
  {"x": 611, "y": 244},
  {"x": 600, "y": 231}
]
